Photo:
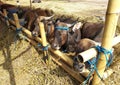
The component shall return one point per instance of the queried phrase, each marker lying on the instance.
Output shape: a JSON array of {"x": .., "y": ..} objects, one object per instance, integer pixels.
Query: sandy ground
[
  {"x": 21, "y": 64},
  {"x": 81, "y": 8}
]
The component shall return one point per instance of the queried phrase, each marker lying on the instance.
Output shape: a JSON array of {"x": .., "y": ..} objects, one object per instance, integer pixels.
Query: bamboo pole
[
  {"x": 112, "y": 15},
  {"x": 16, "y": 21},
  {"x": 6, "y": 17},
  {"x": 92, "y": 52},
  {"x": 30, "y": 4},
  {"x": 44, "y": 41},
  {"x": 107, "y": 73}
]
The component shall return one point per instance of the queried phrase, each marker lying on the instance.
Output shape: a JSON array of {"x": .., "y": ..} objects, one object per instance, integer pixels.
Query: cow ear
[
  {"x": 36, "y": 15},
  {"x": 57, "y": 21},
  {"x": 77, "y": 34},
  {"x": 77, "y": 39}
]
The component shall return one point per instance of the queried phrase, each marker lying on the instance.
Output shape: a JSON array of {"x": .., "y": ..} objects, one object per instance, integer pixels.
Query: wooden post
[
  {"x": 30, "y": 4},
  {"x": 6, "y": 17},
  {"x": 44, "y": 41},
  {"x": 16, "y": 21},
  {"x": 112, "y": 15}
]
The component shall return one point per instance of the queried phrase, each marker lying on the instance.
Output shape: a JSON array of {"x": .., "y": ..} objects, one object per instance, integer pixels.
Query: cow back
[{"x": 91, "y": 30}]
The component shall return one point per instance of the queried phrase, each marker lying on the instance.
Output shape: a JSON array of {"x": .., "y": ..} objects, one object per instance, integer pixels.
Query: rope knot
[
  {"x": 6, "y": 18},
  {"x": 103, "y": 50},
  {"x": 18, "y": 30},
  {"x": 106, "y": 52},
  {"x": 45, "y": 48}
]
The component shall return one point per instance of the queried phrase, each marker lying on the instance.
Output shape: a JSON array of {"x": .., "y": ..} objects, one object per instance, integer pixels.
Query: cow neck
[
  {"x": 49, "y": 29},
  {"x": 67, "y": 40}
]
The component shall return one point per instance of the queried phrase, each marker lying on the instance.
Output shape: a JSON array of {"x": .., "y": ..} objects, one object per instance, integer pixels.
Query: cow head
[
  {"x": 49, "y": 27},
  {"x": 78, "y": 65},
  {"x": 82, "y": 45},
  {"x": 63, "y": 36},
  {"x": 60, "y": 34}
]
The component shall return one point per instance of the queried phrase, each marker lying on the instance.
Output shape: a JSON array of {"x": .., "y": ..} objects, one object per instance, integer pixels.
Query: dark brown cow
[
  {"x": 82, "y": 45},
  {"x": 92, "y": 30},
  {"x": 64, "y": 38},
  {"x": 31, "y": 16},
  {"x": 12, "y": 9},
  {"x": 88, "y": 30},
  {"x": 48, "y": 25}
]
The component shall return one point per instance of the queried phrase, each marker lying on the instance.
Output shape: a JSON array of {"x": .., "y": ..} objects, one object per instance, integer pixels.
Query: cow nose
[
  {"x": 35, "y": 34},
  {"x": 55, "y": 46},
  {"x": 79, "y": 67}
]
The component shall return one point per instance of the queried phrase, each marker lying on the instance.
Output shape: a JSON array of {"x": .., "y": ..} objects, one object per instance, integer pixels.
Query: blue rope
[
  {"x": 39, "y": 45},
  {"x": 61, "y": 28},
  {"x": 13, "y": 10},
  {"x": 6, "y": 18},
  {"x": 18, "y": 30},
  {"x": 45, "y": 48},
  {"x": 106, "y": 52},
  {"x": 94, "y": 61}
]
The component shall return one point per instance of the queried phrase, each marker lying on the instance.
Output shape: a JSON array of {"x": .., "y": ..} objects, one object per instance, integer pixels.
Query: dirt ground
[{"x": 22, "y": 64}]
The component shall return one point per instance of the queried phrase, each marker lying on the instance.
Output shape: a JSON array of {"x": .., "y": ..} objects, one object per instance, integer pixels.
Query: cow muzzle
[
  {"x": 55, "y": 46},
  {"x": 78, "y": 66},
  {"x": 35, "y": 34}
]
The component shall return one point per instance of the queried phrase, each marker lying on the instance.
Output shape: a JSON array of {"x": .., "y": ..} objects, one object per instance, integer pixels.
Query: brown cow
[
  {"x": 64, "y": 38},
  {"x": 92, "y": 30},
  {"x": 31, "y": 16},
  {"x": 12, "y": 9},
  {"x": 48, "y": 25},
  {"x": 82, "y": 45}
]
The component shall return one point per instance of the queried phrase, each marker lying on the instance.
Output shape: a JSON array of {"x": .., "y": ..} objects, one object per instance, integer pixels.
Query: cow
[
  {"x": 48, "y": 25},
  {"x": 83, "y": 45},
  {"x": 12, "y": 9},
  {"x": 92, "y": 31},
  {"x": 31, "y": 16},
  {"x": 64, "y": 38}
]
